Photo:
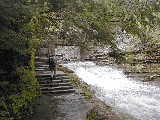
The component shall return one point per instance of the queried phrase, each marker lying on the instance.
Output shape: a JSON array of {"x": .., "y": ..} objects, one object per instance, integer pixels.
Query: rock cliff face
[
  {"x": 68, "y": 52},
  {"x": 99, "y": 54}
]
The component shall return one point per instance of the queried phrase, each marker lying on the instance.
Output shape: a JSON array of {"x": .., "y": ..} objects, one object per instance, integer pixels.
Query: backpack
[{"x": 52, "y": 62}]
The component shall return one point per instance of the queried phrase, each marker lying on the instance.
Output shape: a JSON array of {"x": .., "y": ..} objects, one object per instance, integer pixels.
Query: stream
[{"x": 134, "y": 100}]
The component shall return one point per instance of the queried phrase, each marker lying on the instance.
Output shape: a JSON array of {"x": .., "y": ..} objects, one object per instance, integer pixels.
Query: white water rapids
[{"x": 140, "y": 101}]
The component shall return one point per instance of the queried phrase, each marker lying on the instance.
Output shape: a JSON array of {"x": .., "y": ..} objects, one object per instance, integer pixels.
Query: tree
[
  {"x": 23, "y": 24},
  {"x": 95, "y": 21},
  {"x": 99, "y": 18}
]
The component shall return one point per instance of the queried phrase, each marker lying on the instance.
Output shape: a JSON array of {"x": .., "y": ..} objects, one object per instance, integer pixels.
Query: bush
[{"x": 19, "y": 93}]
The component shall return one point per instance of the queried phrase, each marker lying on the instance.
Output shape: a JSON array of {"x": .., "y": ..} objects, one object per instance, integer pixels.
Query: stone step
[
  {"x": 88, "y": 59},
  {"x": 135, "y": 63},
  {"x": 102, "y": 58},
  {"x": 63, "y": 74},
  {"x": 53, "y": 81},
  {"x": 59, "y": 91},
  {"x": 99, "y": 55},
  {"x": 39, "y": 69},
  {"x": 45, "y": 79},
  {"x": 56, "y": 84},
  {"x": 44, "y": 82},
  {"x": 43, "y": 67},
  {"x": 45, "y": 72},
  {"x": 143, "y": 76},
  {"x": 60, "y": 81},
  {"x": 48, "y": 77},
  {"x": 39, "y": 63},
  {"x": 141, "y": 72},
  {"x": 43, "y": 76},
  {"x": 41, "y": 58},
  {"x": 62, "y": 77},
  {"x": 59, "y": 73},
  {"x": 56, "y": 88},
  {"x": 45, "y": 61},
  {"x": 145, "y": 61},
  {"x": 137, "y": 76}
]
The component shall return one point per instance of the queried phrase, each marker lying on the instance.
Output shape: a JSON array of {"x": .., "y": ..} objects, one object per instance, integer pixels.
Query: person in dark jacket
[{"x": 52, "y": 65}]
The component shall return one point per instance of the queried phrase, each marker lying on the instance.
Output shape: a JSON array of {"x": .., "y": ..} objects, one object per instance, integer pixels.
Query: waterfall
[{"x": 138, "y": 100}]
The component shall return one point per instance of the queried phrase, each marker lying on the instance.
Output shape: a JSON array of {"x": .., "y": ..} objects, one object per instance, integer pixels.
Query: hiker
[{"x": 52, "y": 65}]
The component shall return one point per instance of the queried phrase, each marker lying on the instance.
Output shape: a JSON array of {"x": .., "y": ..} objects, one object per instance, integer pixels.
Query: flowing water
[{"x": 137, "y": 100}]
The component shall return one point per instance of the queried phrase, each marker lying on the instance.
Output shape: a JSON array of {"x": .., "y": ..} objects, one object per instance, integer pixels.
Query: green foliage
[
  {"x": 3, "y": 107},
  {"x": 20, "y": 101},
  {"x": 23, "y": 23},
  {"x": 91, "y": 116},
  {"x": 75, "y": 80},
  {"x": 141, "y": 19},
  {"x": 95, "y": 22}
]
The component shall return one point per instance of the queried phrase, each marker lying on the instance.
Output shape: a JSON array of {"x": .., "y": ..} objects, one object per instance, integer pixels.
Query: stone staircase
[
  {"x": 59, "y": 85},
  {"x": 144, "y": 68}
]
